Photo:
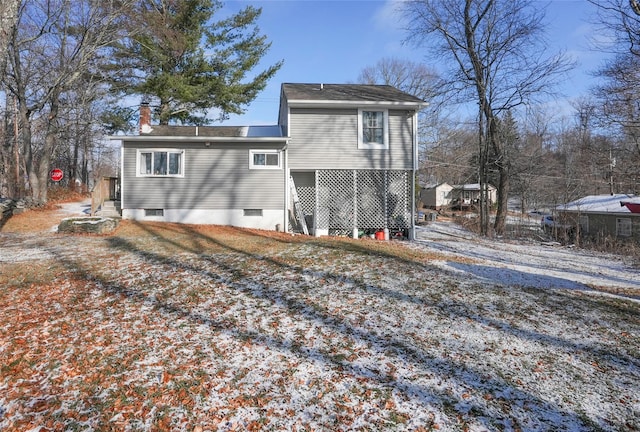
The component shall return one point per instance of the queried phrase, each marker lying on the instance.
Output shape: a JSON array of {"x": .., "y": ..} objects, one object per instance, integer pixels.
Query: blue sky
[{"x": 331, "y": 41}]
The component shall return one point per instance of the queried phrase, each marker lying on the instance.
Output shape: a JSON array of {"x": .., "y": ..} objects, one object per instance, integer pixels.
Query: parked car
[{"x": 548, "y": 223}]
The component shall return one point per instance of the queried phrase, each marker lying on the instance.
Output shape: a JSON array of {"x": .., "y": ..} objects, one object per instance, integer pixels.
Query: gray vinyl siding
[
  {"x": 328, "y": 139},
  {"x": 605, "y": 225},
  {"x": 214, "y": 178}
]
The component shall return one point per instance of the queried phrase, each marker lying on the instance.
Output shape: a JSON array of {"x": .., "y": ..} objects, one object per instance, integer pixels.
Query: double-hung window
[
  {"x": 168, "y": 163},
  {"x": 373, "y": 129},
  {"x": 264, "y": 159}
]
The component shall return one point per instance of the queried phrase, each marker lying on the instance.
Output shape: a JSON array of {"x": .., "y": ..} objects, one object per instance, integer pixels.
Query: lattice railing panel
[
  {"x": 365, "y": 199},
  {"x": 307, "y": 197},
  {"x": 399, "y": 199},
  {"x": 335, "y": 195},
  {"x": 371, "y": 199}
]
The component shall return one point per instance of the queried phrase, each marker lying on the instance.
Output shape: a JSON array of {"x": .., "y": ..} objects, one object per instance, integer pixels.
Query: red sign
[{"x": 56, "y": 174}]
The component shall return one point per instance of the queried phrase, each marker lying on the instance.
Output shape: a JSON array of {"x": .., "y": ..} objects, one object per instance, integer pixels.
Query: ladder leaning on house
[{"x": 299, "y": 213}]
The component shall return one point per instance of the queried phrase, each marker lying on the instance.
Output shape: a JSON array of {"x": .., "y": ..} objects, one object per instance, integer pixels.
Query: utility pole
[{"x": 612, "y": 165}]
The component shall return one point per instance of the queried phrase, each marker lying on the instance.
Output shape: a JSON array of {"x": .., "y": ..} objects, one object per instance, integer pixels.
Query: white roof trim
[
  {"x": 200, "y": 139},
  {"x": 306, "y": 103}
]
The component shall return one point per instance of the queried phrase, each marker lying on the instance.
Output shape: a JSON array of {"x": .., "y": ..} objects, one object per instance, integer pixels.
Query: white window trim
[
  {"x": 163, "y": 150},
  {"x": 265, "y": 167},
  {"x": 385, "y": 132},
  {"x": 624, "y": 227}
]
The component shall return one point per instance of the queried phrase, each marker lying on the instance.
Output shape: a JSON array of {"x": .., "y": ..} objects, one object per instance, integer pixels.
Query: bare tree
[
  {"x": 453, "y": 158},
  {"x": 55, "y": 45},
  {"x": 530, "y": 164},
  {"x": 414, "y": 78},
  {"x": 621, "y": 20},
  {"x": 496, "y": 51},
  {"x": 618, "y": 95}
]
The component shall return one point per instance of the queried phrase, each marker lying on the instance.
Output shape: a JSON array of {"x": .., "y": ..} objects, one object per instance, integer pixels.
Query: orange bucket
[{"x": 380, "y": 235}]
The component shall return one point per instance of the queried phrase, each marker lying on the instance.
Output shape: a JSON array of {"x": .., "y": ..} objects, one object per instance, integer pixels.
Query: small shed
[
  {"x": 436, "y": 196},
  {"x": 601, "y": 216}
]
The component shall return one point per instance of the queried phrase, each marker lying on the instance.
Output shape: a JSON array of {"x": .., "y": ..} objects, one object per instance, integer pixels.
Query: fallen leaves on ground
[{"x": 174, "y": 327}]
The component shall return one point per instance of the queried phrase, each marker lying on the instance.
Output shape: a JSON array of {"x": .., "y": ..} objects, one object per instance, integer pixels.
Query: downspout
[
  {"x": 287, "y": 186},
  {"x": 355, "y": 204},
  {"x": 122, "y": 188},
  {"x": 414, "y": 143},
  {"x": 287, "y": 173}
]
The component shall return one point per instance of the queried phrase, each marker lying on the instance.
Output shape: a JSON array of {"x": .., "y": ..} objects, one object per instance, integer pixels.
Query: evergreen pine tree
[{"x": 185, "y": 63}]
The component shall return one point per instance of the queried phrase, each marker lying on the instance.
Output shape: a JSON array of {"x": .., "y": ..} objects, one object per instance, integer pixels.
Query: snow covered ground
[
  {"x": 530, "y": 264},
  {"x": 194, "y": 328}
]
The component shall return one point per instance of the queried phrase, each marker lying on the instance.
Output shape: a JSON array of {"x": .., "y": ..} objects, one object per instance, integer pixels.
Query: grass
[{"x": 182, "y": 327}]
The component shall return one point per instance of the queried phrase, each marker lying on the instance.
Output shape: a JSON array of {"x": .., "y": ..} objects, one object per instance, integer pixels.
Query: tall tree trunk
[
  {"x": 27, "y": 148},
  {"x": 502, "y": 200},
  {"x": 50, "y": 139},
  {"x": 486, "y": 121},
  {"x": 7, "y": 150},
  {"x": 482, "y": 171},
  {"x": 8, "y": 20},
  {"x": 73, "y": 169},
  {"x": 503, "y": 176}
]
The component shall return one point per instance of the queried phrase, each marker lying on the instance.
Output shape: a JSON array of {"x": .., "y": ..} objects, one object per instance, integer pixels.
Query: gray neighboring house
[
  {"x": 341, "y": 160},
  {"x": 602, "y": 216}
]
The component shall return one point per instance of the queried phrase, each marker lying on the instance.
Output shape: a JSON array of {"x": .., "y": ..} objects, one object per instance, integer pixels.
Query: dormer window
[{"x": 373, "y": 129}]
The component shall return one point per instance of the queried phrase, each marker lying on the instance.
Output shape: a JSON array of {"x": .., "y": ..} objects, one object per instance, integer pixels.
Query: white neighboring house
[
  {"x": 444, "y": 195},
  {"x": 468, "y": 194},
  {"x": 436, "y": 196}
]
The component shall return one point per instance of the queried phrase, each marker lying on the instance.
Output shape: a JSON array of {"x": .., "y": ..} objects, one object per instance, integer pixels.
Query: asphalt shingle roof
[
  {"x": 217, "y": 131},
  {"x": 347, "y": 93}
]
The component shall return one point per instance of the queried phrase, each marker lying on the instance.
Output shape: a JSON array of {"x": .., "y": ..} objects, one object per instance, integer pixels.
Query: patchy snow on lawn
[
  {"x": 534, "y": 264},
  {"x": 463, "y": 334}
]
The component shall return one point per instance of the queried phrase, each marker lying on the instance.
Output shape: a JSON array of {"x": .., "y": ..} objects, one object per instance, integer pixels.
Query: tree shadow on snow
[{"x": 403, "y": 348}]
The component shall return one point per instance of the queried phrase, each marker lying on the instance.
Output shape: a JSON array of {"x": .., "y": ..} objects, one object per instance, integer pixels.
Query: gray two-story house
[{"x": 341, "y": 160}]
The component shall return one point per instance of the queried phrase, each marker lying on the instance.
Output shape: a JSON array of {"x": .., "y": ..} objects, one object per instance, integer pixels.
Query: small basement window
[
  {"x": 253, "y": 212},
  {"x": 153, "y": 212}
]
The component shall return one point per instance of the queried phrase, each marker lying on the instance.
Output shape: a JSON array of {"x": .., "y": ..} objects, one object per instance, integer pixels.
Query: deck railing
[{"x": 106, "y": 189}]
